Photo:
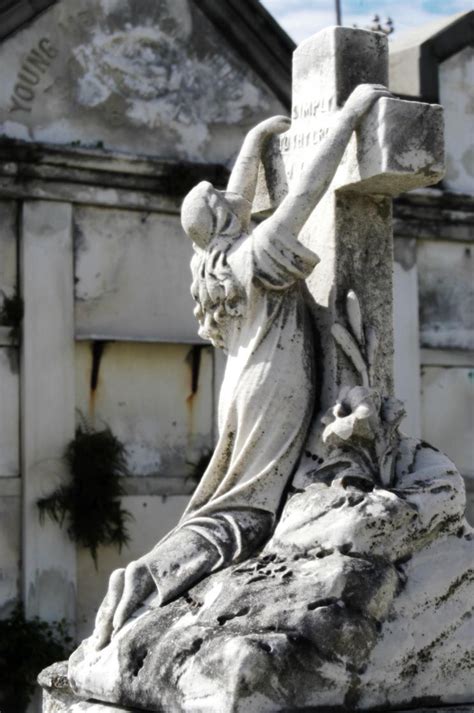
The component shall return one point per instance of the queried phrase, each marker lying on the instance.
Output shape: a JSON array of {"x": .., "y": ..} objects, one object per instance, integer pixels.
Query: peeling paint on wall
[
  {"x": 93, "y": 72},
  {"x": 162, "y": 83}
]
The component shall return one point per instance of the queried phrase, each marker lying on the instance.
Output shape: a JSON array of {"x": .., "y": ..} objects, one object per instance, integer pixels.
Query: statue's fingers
[
  {"x": 105, "y": 614},
  {"x": 137, "y": 586},
  {"x": 380, "y": 90}
]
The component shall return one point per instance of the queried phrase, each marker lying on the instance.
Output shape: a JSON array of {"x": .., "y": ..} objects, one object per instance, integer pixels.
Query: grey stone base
[{"x": 58, "y": 698}]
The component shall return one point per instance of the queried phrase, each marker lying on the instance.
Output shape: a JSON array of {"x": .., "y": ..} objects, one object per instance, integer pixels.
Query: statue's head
[{"x": 207, "y": 213}]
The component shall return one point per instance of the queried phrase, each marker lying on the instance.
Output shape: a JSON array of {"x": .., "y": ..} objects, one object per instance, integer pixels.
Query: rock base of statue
[
  {"x": 361, "y": 600},
  {"x": 58, "y": 698}
]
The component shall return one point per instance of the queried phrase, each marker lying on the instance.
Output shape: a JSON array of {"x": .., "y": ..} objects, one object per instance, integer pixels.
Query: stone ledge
[
  {"x": 58, "y": 698},
  {"x": 25, "y": 160},
  {"x": 434, "y": 214}
]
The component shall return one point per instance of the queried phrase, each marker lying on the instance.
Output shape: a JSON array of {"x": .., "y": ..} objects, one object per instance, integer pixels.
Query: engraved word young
[{"x": 34, "y": 66}]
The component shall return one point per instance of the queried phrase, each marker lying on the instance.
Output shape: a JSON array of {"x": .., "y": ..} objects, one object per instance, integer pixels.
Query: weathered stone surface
[
  {"x": 346, "y": 605},
  {"x": 58, "y": 697},
  {"x": 350, "y": 228}
]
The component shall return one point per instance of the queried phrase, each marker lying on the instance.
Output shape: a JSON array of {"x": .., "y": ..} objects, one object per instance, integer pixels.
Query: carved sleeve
[
  {"x": 280, "y": 260},
  {"x": 204, "y": 544}
]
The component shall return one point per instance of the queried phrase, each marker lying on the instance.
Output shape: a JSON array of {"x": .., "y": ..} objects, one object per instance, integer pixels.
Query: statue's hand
[
  {"x": 274, "y": 125},
  {"x": 128, "y": 589},
  {"x": 363, "y": 98}
]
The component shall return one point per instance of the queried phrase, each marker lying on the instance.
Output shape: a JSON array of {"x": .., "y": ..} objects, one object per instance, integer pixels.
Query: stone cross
[{"x": 399, "y": 146}]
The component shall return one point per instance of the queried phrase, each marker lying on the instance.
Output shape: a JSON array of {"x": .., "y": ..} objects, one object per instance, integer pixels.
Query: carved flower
[{"x": 355, "y": 415}]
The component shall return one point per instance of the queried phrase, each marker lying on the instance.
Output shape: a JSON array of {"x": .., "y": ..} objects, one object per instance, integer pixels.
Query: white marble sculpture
[
  {"x": 248, "y": 283},
  {"x": 349, "y": 592}
]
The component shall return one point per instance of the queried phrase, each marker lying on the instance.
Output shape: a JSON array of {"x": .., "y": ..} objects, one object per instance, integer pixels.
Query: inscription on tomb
[
  {"x": 313, "y": 108},
  {"x": 29, "y": 76},
  {"x": 301, "y": 139}
]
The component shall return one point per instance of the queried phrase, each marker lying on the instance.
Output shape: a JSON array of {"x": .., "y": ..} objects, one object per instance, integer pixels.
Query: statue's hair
[{"x": 211, "y": 219}]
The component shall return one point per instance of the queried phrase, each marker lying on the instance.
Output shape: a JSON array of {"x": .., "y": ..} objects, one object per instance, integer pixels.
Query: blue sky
[{"x": 301, "y": 18}]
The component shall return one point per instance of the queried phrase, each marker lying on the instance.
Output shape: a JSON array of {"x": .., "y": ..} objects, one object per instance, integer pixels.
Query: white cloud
[
  {"x": 300, "y": 24},
  {"x": 302, "y": 18}
]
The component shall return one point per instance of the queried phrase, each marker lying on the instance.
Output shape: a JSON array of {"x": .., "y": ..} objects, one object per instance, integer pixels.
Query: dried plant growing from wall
[{"x": 90, "y": 503}]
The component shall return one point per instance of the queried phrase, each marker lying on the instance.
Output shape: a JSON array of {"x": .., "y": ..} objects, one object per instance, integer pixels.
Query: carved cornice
[
  {"x": 99, "y": 177},
  {"x": 434, "y": 214}
]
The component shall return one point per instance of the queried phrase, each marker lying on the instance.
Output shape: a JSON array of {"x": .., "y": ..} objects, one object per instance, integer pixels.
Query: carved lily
[{"x": 355, "y": 415}]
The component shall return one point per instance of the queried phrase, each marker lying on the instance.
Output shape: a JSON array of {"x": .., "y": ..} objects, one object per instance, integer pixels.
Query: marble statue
[
  {"x": 346, "y": 586},
  {"x": 248, "y": 283}
]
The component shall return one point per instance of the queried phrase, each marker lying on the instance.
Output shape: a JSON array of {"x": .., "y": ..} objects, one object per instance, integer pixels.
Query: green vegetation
[{"x": 90, "y": 503}]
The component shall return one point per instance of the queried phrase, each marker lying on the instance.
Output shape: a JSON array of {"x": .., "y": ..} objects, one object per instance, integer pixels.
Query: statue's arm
[
  {"x": 192, "y": 551},
  {"x": 243, "y": 178},
  {"x": 314, "y": 179}
]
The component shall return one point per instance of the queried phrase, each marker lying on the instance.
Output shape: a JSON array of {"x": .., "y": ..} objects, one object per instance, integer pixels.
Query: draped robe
[{"x": 265, "y": 407}]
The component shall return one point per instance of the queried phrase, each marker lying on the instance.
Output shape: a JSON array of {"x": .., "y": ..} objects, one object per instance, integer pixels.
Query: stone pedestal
[{"x": 58, "y": 698}]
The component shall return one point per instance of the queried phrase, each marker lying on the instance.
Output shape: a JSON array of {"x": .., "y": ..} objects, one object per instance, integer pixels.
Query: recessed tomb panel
[
  {"x": 132, "y": 276},
  {"x": 446, "y": 280},
  {"x": 156, "y": 398}
]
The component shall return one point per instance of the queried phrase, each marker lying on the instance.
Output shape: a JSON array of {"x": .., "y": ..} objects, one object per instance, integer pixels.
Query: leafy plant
[
  {"x": 11, "y": 314},
  {"x": 26, "y": 647},
  {"x": 90, "y": 502}
]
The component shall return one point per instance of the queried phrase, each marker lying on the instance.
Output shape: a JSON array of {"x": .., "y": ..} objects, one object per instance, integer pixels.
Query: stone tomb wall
[
  {"x": 434, "y": 262},
  {"x": 434, "y": 291},
  {"x": 156, "y": 388},
  {"x": 141, "y": 368}
]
